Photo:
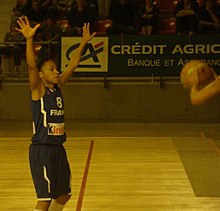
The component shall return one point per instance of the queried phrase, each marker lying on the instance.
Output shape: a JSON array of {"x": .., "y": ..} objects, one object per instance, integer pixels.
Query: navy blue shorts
[{"x": 50, "y": 171}]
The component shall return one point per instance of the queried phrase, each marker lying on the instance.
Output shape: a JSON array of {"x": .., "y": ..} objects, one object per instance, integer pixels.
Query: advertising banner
[
  {"x": 136, "y": 55},
  {"x": 94, "y": 58}
]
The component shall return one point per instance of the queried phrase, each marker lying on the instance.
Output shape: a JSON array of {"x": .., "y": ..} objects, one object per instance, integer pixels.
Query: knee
[
  {"x": 63, "y": 199},
  {"x": 42, "y": 205},
  {"x": 67, "y": 197}
]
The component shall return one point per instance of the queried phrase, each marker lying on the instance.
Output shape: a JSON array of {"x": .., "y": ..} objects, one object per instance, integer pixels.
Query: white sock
[{"x": 54, "y": 206}]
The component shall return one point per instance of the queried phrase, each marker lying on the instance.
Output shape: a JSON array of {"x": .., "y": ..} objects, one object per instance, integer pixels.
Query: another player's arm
[
  {"x": 75, "y": 59},
  {"x": 200, "y": 96}
]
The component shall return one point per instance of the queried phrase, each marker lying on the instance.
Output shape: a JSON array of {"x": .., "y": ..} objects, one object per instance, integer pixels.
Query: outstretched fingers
[
  {"x": 86, "y": 31},
  {"x": 25, "y": 28},
  {"x": 23, "y": 21}
]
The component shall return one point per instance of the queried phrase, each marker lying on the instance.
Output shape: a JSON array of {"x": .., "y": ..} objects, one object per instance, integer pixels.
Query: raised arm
[
  {"x": 75, "y": 59},
  {"x": 29, "y": 32}
]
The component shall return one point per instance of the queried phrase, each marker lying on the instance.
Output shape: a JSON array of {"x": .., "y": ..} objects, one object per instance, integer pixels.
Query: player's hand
[
  {"x": 25, "y": 28},
  {"x": 86, "y": 32},
  {"x": 196, "y": 77},
  {"x": 214, "y": 73},
  {"x": 191, "y": 81}
]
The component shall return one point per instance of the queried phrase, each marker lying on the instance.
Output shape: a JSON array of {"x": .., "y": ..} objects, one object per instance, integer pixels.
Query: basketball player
[
  {"x": 199, "y": 96},
  {"x": 48, "y": 161}
]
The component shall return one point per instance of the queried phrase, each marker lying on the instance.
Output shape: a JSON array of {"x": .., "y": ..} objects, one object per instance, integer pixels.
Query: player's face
[{"x": 49, "y": 73}]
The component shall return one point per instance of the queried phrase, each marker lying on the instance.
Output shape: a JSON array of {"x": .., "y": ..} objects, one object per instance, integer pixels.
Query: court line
[{"x": 85, "y": 175}]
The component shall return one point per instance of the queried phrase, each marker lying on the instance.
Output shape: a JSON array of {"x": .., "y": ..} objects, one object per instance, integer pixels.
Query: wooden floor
[{"x": 108, "y": 174}]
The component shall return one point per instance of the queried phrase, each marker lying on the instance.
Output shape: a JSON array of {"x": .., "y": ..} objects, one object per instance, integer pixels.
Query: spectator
[
  {"x": 92, "y": 4},
  {"x": 93, "y": 7},
  {"x": 78, "y": 15},
  {"x": 35, "y": 13},
  {"x": 60, "y": 8},
  {"x": 104, "y": 6},
  {"x": 149, "y": 17},
  {"x": 51, "y": 31},
  {"x": 122, "y": 13},
  {"x": 186, "y": 13},
  {"x": 11, "y": 48},
  {"x": 45, "y": 4},
  {"x": 18, "y": 10},
  {"x": 209, "y": 20}
]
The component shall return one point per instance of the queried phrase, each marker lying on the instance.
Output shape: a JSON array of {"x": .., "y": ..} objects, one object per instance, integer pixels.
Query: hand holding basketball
[{"x": 196, "y": 73}]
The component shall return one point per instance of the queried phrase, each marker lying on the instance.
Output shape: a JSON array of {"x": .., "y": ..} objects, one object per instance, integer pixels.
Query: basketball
[{"x": 196, "y": 70}]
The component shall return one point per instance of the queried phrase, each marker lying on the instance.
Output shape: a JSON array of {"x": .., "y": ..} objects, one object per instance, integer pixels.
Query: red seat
[
  {"x": 167, "y": 5},
  {"x": 167, "y": 26},
  {"x": 37, "y": 48},
  {"x": 101, "y": 26},
  {"x": 200, "y": 2}
]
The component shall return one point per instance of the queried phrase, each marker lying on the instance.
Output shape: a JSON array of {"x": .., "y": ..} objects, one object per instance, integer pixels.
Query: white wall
[{"x": 120, "y": 102}]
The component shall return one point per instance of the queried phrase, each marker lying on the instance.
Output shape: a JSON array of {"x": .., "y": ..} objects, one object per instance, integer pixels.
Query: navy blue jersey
[{"x": 48, "y": 118}]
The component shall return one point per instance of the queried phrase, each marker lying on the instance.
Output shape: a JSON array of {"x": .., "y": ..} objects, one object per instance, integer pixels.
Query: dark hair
[{"x": 41, "y": 62}]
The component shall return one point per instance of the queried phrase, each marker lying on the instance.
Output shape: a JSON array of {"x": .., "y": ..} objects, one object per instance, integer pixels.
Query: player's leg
[
  {"x": 59, "y": 203},
  {"x": 63, "y": 199},
  {"x": 42, "y": 206},
  {"x": 41, "y": 175},
  {"x": 62, "y": 187}
]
